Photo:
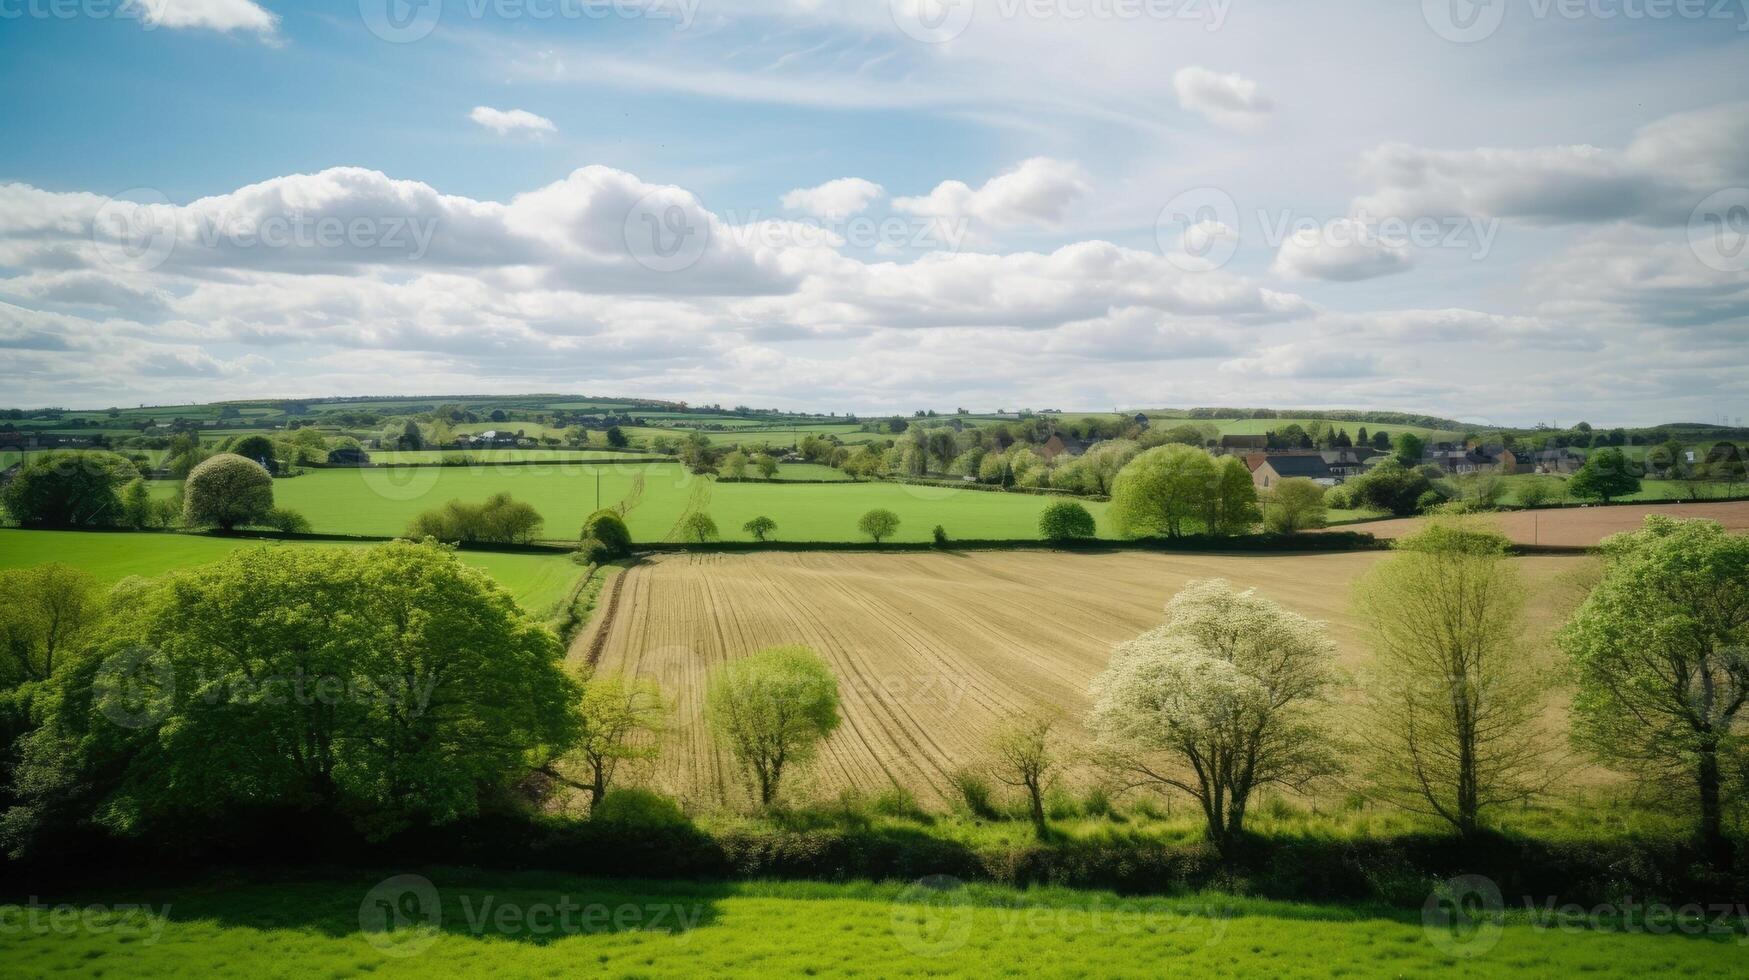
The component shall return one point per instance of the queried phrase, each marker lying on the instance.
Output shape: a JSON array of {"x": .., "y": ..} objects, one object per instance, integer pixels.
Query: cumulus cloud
[
  {"x": 1040, "y": 191},
  {"x": 835, "y": 199},
  {"x": 1657, "y": 179},
  {"x": 506, "y": 121},
  {"x": 1230, "y": 100},
  {"x": 1343, "y": 250},
  {"x": 216, "y": 15}
]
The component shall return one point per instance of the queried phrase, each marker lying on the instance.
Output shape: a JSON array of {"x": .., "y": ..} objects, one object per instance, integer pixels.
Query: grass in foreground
[
  {"x": 463, "y": 923},
  {"x": 539, "y": 582}
]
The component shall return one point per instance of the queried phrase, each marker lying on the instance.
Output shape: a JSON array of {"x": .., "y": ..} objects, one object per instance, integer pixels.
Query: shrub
[
  {"x": 286, "y": 521},
  {"x": 1294, "y": 504},
  {"x": 900, "y": 803},
  {"x": 760, "y": 527},
  {"x": 1065, "y": 520},
  {"x": 939, "y": 536},
  {"x": 975, "y": 793},
  {"x": 499, "y": 520},
  {"x": 1428, "y": 501},
  {"x": 69, "y": 488},
  {"x": 258, "y": 450},
  {"x": 227, "y": 491},
  {"x": 637, "y": 807},
  {"x": 878, "y": 524},
  {"x": 1390, "y": 486},
  {"x": 698, "y": 529},
  {"x": 610, "y": 533}
]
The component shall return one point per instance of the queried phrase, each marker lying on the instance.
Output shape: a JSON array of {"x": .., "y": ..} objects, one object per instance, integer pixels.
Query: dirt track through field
[{"x": 934, "y": 651}]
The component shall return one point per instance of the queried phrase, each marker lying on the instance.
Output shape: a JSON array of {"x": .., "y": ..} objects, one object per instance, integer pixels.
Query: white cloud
[
  {"x": 505, "y": 121},
  {"x": 835, "y": 199},
  {"x": 1231, "y": 99},
  {"x": 1343, "y": 250},
  {"x": 1040, "y": 191},
  {"x": 217, "y": 15}
]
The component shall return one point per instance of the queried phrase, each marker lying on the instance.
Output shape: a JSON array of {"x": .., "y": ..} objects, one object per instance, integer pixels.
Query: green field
[
  {"x": 499, "y": 455},
  {"x": 539, "y": 582},
  {"x": 1257, "y": 427},
  {"x": 383, "y": 501},
  {"x": 457, "y": 923}
]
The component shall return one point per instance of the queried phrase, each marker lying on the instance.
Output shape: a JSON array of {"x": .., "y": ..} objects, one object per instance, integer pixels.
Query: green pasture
[
  {"x": 496, "y": 455},
  {"x": 539, "y": 582},
  {"x": 1257, "y": 427},
  {"x": 382, "y": 501},
  {"x": 442, "y": 922}
]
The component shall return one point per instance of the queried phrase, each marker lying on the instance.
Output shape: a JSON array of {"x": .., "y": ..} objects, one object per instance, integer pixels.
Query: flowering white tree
[{"x": 1220, "y": 699}]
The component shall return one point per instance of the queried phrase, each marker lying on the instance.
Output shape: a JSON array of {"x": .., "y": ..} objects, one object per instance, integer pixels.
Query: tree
[
  {"x": 1408, "y": 448},
  {"x": 389, "y": 685},
  {"x": 500, "y": 519},
  {"x": 765, "y": 464},
  {"x": 1536, "y": 491},
  {"x": 617, "y": 723},
  {"x": 1161, "y": 491},
  {"x": 1381, "y": 440},
  {"x": 760, "y": 527},
  {"x": 698, "y": 528},
  {"x": 772, "y": 709},
  {"x": 878, "y": 524},
  {"x": 1231, "y": 506},
  {"x": 1604, "y": 476},
  {"x": 44, "y": 609},
  {"x": 1065, "y": 520},
  {"x": 69, "y": 488},
  {"x": 410, "y": 437},
  {"x": 1661, "y": 652},
  {"x": 228, "y": 491},
  {"x": 1390, "y": 486},
  {"x": 608, "y": 530},
  {"x": 1218, "y": 701},
  {"x": 136, "y": 505},
  {"x": 1294, "y": 504},
  {"x": 942, "y": 447},
  {"x": 1452, "y": 708},
  {"x": 258, "y": 449},
  {"x": 616, "y": 438},
  {"x": 734, "y": 465},
  {"x": 1026, "y": 756}
]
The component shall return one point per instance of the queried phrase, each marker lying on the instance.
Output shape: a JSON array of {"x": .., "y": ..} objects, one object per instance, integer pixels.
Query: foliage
[
  {"x": 617, "y": 723},
  {"x": 258, "y": 450},
  {"x": 1389, "y": 486},
  {"x": 393, "y": 685},
  {"x": 1231, "y": 506},
  {"x": 499, "y": 519},
  {"x": 772, "y": 709},
  {"x": 69, "y": 488},
  {"x": 1537, "y": 491},
  {"x": 1162, "y": 491},
  {"x": 609, "y": 530},
  {"x": 1452, "y": 710},
  {"x": 228, "y": 491},
  {"x": 136, "y": 505},
  {"x": 1660, "y": 649},
  {"x": 638, "y": 808},
  {"x": 1604, "y": 476},
  {"x": 938, "y": 536},
  {"x": 1293, "y": 504},
  {"x": 698, "y": 528},
  {"x": 734, "y": 465},
  {"x": 878, "y": 524},
  {"x": 44, "y": 611},
  {"x": 765, "y": 464},
  {"x": 286, "y": 521},
  {"x": 1407, "y": 448},
  {"x": 760, "y": 527},
  {"x": 1065, "y": 520},
  {"x": 1218, "y": 701},
  {"x": 1027, "y": 756}
]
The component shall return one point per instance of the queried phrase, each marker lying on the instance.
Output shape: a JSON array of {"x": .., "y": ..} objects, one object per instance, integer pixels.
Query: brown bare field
[
  {"x": 934, "y": 651},
  {"x": 1578, "y": 527}
]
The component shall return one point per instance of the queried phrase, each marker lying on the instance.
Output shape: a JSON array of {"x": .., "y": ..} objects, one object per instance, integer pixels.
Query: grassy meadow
[
  {"x": 657, "y": 495},
  {"x": 539, "y": 582}
]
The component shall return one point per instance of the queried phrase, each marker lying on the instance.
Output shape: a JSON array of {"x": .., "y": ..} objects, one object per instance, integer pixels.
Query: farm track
[{"x": 933, "y": 652}]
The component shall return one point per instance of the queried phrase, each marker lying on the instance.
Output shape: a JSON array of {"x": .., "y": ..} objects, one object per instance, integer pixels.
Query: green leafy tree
[
  {"x": 608, "y": 531},
  {"x": 878, "y": 524},
  {"x": 618, "y": 721},
  {"x": 766, "y": 464},
  {"x": 1660, "y": 649},
  {"x": 1390, "y": 486},
  {"x": 760, "y": 527},
  {"x": 1408, "y": 448},
  {"x": 1163, "y": 491},
  {"x": 698, "y": 528},
  {"x": 772, "y": 710},
  {"x": 1452, "y": 709},
  {"x": 1220, "y": 700},
  {"x": 1294, "y": 504},
  {"x": 136, "y": 505},
  {"x": 1028, "y": 757},
  {"x": 734, "y": 465},
  {"x": 617, "y": 438},
  {"x": 259, "y": 449},
  {"x": 1231, "y": 506},
  {"x": 69, "y": 488},
  {"x": 1065, "y": 520},
  {"x": 1605, "y": 476},
  {"x": 227, "y": 491},
  {"x": 391, "y": 686},
  {"x": 500, "y": 519},
  {"x": 44, "y": 611}
]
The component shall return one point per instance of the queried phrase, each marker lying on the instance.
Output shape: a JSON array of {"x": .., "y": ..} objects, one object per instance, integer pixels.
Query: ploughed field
[
  {"x": 655, "y": 497},
  {"x": 1577, "y": 526},
  {"x": 934, "y": 651}
]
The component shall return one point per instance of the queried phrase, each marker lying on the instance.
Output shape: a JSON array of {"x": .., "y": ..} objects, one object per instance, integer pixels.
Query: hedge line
[{"x": 1327, "y": 541}]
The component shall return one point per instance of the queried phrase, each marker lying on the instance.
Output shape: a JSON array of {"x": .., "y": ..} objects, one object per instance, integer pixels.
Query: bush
[
  {"x": 499, "y": 520},
  {"x": 1065, "y": 520},
  {"x": 975, "y": 793},
  {"x": 69, "y": 488},
  {"x": 258, "y": 450},
  {"x": 1390, "y": 486},
  {"x": 878, "y": 524},
  {"x": 608, "y": 530},
  {"x": 1294, "y": 504},
  {"x": 227, "y": 491},
  {"x": 637, "y": 807},
  {"x": 286, "y": 521},
  {"x": 698, "y": 529},
  {"x": 939, "y": 536},
  {"x": 1429, "y": 501}
]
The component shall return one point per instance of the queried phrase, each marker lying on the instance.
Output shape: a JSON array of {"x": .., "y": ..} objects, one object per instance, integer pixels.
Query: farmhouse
[
  {"x": 1345, "y": 463},
  {"x": 1560, "y": 461},
  {"x": 1057, "y": 445},
  {"x": 1275, "y": 469}
]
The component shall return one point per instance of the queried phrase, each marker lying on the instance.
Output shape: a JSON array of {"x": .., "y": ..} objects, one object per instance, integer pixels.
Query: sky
[{"x": 1503, "y": 211}]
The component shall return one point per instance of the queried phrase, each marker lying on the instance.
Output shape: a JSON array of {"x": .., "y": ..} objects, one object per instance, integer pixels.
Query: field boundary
[{"x": 604, "y": 622}]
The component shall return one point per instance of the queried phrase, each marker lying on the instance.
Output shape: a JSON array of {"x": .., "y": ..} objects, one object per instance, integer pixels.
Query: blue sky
[{"x": 1072, "y": 203}]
